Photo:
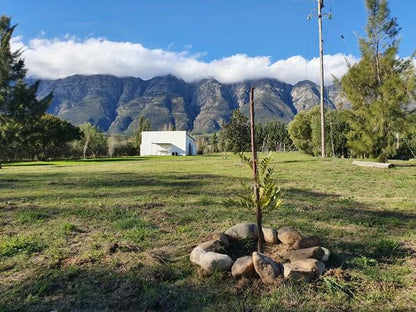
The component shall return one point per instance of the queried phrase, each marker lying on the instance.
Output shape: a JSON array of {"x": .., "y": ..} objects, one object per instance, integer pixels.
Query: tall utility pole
[{"x": 321, "y": 65}]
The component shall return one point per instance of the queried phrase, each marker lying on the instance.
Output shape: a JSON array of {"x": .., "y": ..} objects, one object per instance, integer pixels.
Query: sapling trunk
[{"x": 260, "y": 239}]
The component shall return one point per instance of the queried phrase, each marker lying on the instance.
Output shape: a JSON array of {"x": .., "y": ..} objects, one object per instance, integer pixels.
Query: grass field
[{"x": 115, "y": 234}]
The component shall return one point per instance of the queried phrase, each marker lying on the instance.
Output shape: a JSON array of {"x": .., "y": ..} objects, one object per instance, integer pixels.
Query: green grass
[
  {"x": 15, "y": 245},
  {"x": 115, "y": 234}
]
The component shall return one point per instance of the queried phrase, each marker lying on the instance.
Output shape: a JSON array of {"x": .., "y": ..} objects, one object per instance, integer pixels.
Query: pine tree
[
  {"x": 379, "y": 87},
  {"x": 19, "y": 107},
  {"x": 236, "y": 133},
  {"x": 213, "y": 142}
]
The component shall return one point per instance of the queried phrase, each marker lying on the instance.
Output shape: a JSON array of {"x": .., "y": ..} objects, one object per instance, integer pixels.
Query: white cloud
[{"x": 59, "y": 58}]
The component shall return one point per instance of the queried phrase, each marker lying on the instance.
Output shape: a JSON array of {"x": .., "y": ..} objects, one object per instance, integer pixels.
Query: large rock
[
  {"x": 242, "y": 231},
  {"x": 305, "y": 269},
  {"x": 213, "y": 245},
  {"x": 313, "y": 252},
  {"x": 211, "y": 261},
  {"x": 326, "y": 255},
  {"x": 266, "y": 267},
  {"x": 243, "y": 267},
  {"x": 222, "y": 237},
  {"x": 307, "y": 242},
  {"x": 270, "y": 235},
  {"x": 196, "y": 255},
  {"x": 288, "y": 236}
]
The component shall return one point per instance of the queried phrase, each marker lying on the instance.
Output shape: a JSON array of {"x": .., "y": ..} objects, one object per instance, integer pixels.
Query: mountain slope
[{"x": 115, "y": 104}]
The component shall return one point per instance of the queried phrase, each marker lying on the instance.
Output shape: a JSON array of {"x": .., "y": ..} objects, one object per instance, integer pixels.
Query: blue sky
[{"x": 229, "y": 40}]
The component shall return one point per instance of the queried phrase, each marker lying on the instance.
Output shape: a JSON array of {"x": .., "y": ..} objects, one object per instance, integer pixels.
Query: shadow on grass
[
  {"x": 90, "y": 198},
  {"x": 297, "y": 161},
  {"x": 346, "y": 209},
  {"x": 116, "y": 159},
  {"x": 372, "y": 226},
  {"x": 153, "y": 288},
  {"x": 405, "y": 165},
  {"x": 28, "y": 164},
  {"x": 68, "y": 186},
  {"x": 61, "y": 163}
]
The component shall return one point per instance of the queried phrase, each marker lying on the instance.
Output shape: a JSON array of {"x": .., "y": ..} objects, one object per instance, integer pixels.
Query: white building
[{"x": 167, "y": 143}]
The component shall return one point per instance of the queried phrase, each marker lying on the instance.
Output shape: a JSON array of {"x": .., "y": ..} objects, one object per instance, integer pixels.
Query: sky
[{"x": 229, "y": 40}]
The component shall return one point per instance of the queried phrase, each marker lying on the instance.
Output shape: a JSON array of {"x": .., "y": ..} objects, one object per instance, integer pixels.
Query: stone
[
  {"x": 313, "y": 252},
  {"x": 211, "y": 261},
  {"x": 222, "y": 237},
  {"x": 307, "y": 242},
  {"x": 270, "y": 235},
  {"x": 305, "y": 269},
  {"x": 326, "y": 255},
  {"x": 242, "y": 231},
  {"x": 294, "y": 273},
  {"x": 213, "y": 245},
  {"x": 196, "y": 254},
  {"x": 243, "y": 267},
  {"x": 266, "y": 267},
  {"x": 288, "y": 236}
]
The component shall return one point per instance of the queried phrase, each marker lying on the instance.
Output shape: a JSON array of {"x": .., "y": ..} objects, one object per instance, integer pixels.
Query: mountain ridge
[{"x": 115, "y": 104}]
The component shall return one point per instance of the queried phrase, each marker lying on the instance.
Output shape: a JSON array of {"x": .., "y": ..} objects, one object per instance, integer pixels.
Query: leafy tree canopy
[{"x": 50, "y": 134}]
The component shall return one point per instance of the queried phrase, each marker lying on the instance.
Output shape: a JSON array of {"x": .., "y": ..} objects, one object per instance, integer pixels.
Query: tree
[
  {"x": 19, "y": 107},
  {"x": 406, "y": 143},
  {"x": 214, "y": 143},
  {"x": 275, "y": 136},
  {"x": 305, "y": 131},
  {"x": 379, "y": 87},
  {"x": 236, "y": 133},
  {"x": 338, "y": 129},
  {"x": 52, "y": 134},
  {"x": 8, "y": 129},
  {"x": 301, "y": 132},
  {"x": 93, "y": 141},
  {"x": 144, "y": 125}
]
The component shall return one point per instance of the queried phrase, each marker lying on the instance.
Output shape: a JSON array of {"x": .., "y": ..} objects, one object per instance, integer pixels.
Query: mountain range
[{"x": 115, "y": 104}]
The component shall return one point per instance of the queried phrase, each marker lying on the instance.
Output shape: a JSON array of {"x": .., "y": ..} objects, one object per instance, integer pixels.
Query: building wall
[
  {"x": 191, "y": 146},
  {"x": 166, "y": 143}
]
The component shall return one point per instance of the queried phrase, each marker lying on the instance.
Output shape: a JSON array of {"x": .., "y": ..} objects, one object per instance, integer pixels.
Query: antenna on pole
[{"x": 321, "y": 63}]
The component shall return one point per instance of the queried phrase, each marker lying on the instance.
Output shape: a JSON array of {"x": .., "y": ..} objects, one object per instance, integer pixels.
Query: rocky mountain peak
[{"x": 115, "y": 104}]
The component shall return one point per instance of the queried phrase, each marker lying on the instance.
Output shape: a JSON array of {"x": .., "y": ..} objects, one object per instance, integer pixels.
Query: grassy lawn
[{"x": 115, "y": 235}]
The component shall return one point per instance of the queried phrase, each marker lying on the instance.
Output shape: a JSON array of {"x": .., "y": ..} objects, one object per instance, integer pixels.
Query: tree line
[{"x": 234, "y": 137}]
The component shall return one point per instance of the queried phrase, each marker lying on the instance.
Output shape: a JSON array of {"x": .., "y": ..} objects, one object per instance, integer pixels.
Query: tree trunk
[
  {"x": 372, "y": 164},
  {"x": 259, "y": 215},
  {"x": 259, "y": 218},
  {"x": 85, "y": 147}
]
